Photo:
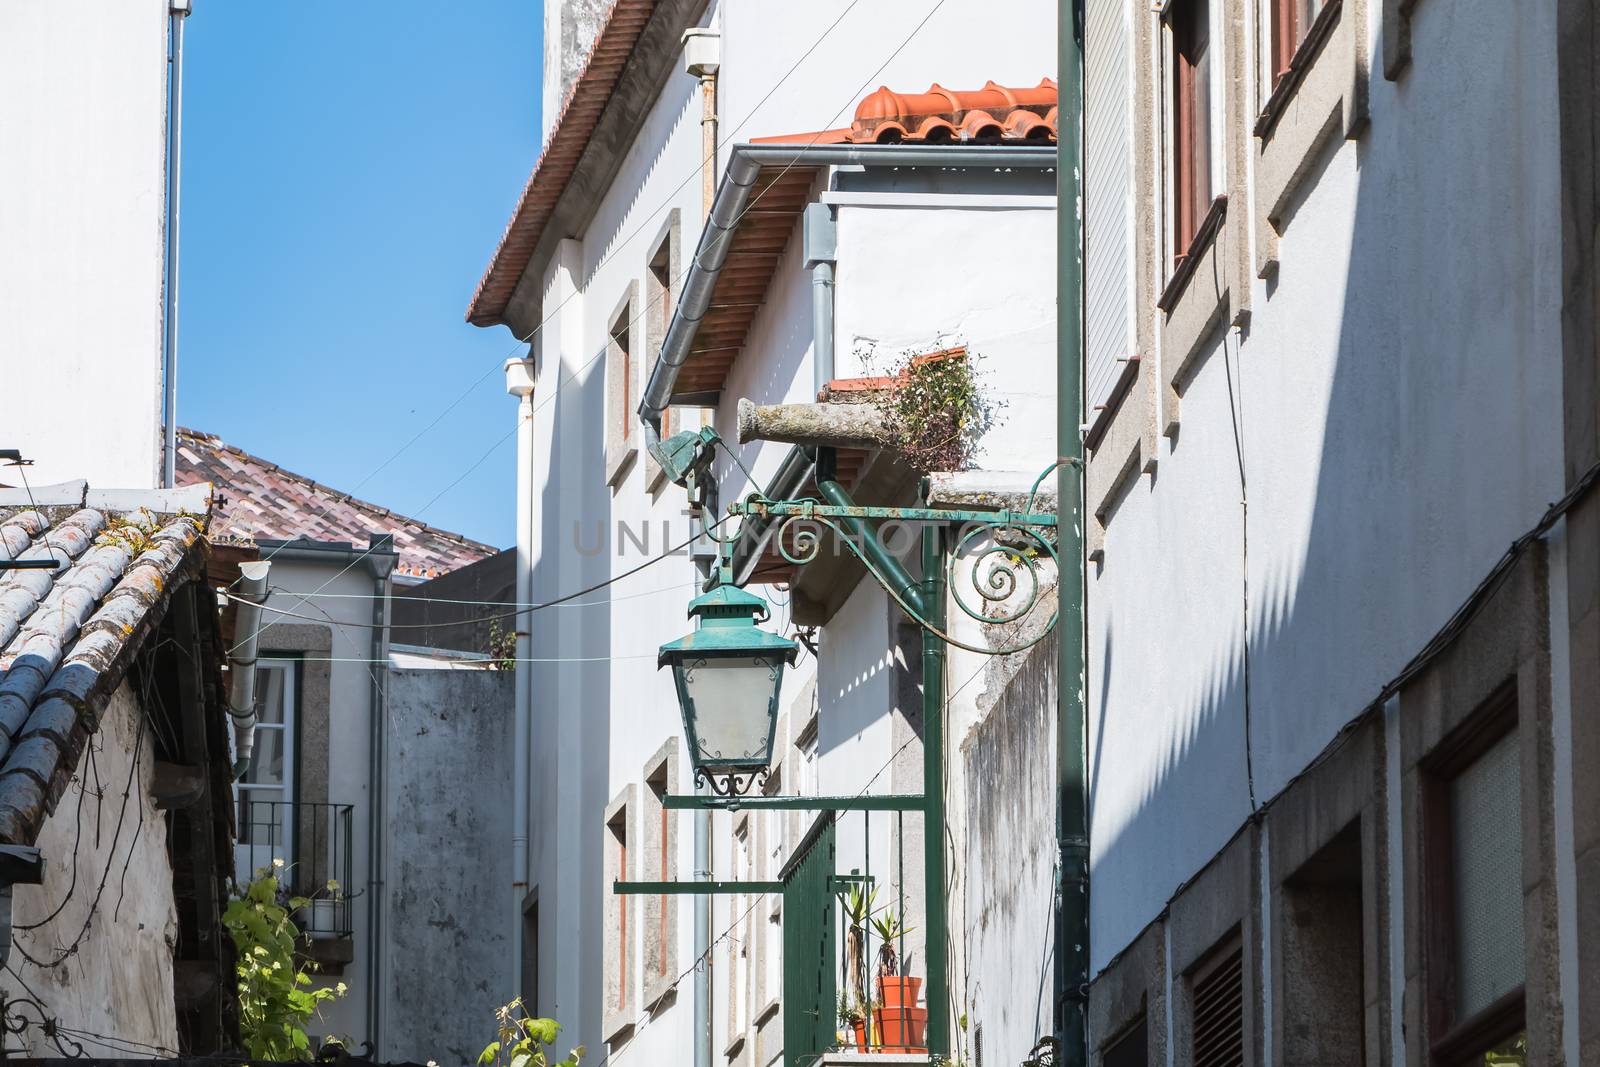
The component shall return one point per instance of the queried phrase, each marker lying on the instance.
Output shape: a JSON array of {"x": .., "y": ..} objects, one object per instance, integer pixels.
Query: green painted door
[{"x": 810, "y": 1000}]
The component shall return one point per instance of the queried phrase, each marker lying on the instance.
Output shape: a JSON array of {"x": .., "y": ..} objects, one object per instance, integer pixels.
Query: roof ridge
[{"x": 213, "y": 441}]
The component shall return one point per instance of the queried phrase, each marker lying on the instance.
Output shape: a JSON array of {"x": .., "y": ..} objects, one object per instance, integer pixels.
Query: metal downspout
[
  {"x": 242, "y": 661},
  {"x": 702, "y": 818},
  {"x": 177, "y": 15},
  {"x": 520, "y": 384},
  {"x": 1071, "y": 985},
  {"x": 937, "y": 911},
  {"x": 821, "y": 252},
  {"x": 377, "y": 806}
]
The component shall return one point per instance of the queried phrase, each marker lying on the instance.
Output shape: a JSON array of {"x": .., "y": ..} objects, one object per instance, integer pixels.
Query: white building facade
[
  {"x": 593, "y": 273},
  {"x": 83, "y": 196},
  {"x": 1336, "y": 365}
]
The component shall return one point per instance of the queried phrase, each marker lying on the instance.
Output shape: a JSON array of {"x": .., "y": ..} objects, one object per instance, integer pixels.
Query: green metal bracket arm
[
  {"x": 805, "y": 509},
  {"x": 692, "y": 889},
  {"x": 866, "y": 802}
]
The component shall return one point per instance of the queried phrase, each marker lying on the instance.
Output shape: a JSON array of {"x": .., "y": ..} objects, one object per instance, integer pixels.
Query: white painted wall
[
  {"x": 1400, "y": 412},
  {"x": 82, "y": 200}
]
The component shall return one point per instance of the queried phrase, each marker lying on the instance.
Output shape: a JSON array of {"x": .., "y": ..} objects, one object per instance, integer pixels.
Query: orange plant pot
[
  {"x": 898, "y": 992},
  {"x": 902, "y": 1029},
  {"x": 860, "y": 1029}
]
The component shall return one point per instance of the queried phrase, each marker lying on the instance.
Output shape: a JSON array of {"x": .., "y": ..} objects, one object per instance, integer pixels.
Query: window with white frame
[{"x": 266, "y": 792}]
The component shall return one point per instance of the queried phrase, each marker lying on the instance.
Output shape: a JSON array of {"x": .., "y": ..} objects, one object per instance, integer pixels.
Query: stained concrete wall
[
  {"x": 82, "y": 202},
  {"x": 118, "y": 981},
  {"x": 448, "y": 862}
]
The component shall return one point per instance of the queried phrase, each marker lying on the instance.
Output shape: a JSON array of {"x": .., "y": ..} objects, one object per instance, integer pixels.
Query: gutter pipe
[
  {"x": 177, "y": 15},
  {"x": 702, "y": 55},
  {"x": 821, "y": 252},
  {"x": 242, "y": 661},
  {"x": 520, "y": 384},
  {"x": 1071, "y": 979},
  {"x": 378, "y": 796},
  {"x": 745, "y": 164}
]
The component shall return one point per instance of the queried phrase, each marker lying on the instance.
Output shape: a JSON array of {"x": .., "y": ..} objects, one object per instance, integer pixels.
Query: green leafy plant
[
  {"x": 275, "y": 998},
  {"x": 502, "y": 647},
  {"x": 850, "y": 1011},
  {"x": 936, "y": 409},
  {"x": 521, "y": 1041},
  {"x": 890, "y": 928},
  {"x": 856, "y": 903}
]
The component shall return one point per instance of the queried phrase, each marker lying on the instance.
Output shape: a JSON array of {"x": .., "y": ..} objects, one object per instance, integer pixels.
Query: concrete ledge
[{"x": 873, "y": 1059}]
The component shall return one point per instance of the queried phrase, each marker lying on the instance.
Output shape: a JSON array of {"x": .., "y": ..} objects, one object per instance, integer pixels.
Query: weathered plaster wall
[
  {"x": 448, "y": 861},
  {"x": 118, "y": 981},
  {"x": 82, "y": 196},
  {"x": 570, "y": 27}
]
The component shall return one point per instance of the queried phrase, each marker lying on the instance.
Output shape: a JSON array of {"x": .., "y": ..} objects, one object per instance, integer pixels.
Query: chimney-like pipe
[
  {"x": 177, "y": 15},
  {"x": 242, "y": 660}
]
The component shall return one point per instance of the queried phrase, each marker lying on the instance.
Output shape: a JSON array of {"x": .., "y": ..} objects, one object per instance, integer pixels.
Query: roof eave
[{"x": 745, "y": 163}]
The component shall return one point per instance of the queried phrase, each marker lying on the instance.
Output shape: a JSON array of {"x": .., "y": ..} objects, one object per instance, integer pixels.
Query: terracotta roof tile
[
  {"x": 260, "y": 501},
  {"x": 586, "y": 100},
  {"x": 943, "y": 116}
]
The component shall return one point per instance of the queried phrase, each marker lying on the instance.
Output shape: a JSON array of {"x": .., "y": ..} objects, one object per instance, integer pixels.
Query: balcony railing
[{"x": 316, "y": 846}]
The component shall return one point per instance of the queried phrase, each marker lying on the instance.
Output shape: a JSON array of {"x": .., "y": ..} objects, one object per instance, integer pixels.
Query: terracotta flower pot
[
  {"x": 898, "y": 992},
  {"x": 860, "y": 1029},
  {"x": 902, "y": 1029}
]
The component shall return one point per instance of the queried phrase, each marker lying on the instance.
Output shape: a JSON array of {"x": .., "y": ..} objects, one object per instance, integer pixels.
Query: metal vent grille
[{"x": 1219, "y": 1013}]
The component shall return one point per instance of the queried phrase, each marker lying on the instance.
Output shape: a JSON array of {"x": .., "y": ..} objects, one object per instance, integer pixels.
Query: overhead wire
[{"x": 614, "y": 251}]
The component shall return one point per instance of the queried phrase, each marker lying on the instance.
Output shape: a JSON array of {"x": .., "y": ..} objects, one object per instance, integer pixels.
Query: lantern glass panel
[{"x": 732, "y": 698}]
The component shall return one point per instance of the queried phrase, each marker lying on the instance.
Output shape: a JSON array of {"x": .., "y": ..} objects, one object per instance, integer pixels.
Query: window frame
[
  {"x": 618, "y": 996},
  {"x": 246, "y": 850},
  {"x": 1190, "y": 211},
  {"x": 622, "y": 358},
  {"x": 1453, "y": 1041},
  {"x": 662, "y": 290}
]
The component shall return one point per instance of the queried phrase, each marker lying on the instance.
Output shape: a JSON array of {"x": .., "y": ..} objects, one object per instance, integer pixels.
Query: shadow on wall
[
  {"x": 1393, "y": 440},
  {"x": 571, "y": 702}
]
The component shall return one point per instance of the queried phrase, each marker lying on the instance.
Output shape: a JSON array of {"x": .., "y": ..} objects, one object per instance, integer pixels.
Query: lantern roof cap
[{"x": 727, "y": 625}]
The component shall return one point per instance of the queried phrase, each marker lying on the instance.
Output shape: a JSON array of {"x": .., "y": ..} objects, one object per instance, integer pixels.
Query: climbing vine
[{"x": 275, "y": 998}]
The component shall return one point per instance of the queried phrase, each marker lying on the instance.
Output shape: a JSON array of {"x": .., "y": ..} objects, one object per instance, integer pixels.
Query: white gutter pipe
[
  {"x": 520, "y": 383},
  {"x": 242, "y": 661},
  {"x": 177, "y": 15}
]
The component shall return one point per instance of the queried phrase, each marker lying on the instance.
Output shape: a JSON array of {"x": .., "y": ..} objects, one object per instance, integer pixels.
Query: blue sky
[{"x": 347, "y": 170}]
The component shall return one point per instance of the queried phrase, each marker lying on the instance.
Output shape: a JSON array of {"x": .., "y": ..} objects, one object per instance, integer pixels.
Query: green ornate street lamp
[{"x": 728, "y": 674}]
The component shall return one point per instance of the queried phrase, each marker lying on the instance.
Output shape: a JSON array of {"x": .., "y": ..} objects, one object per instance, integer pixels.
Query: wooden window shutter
[{"x": 1218, "y": 989}]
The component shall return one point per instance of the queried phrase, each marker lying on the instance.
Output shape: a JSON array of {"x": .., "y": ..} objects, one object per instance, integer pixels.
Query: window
[
  {"x": 618, "y": 1003},
  {"x": 658, "y": 862},
  {"x": 621, "y": 391},
  {"x": 1321, "y": 931},
  {"x": 1216, "y": 992},
  {"x": 1473, "y": 844},
  {"x": 266, "y": 793},
  {"x": 1192, "y": 133},
  {"x": 1291, "y": 21},
  {"x": 660, "y": 300},
  {"x": 1129, "y": 1049}
]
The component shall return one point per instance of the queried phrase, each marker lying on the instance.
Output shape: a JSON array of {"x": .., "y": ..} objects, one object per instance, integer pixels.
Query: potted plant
[
  {"x": 857, "y": 907},
  {"x": 853, "y": 1022},
  {"x": 901, "y": 1024}
]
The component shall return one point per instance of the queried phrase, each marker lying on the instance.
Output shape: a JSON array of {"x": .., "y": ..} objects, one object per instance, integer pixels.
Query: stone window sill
[
  {"x": 1184, "y": 270},
  {"x": 768, "y": 1011},
  {"x": 1304, "y": 57},
  {"x": 619, "y": 458}
]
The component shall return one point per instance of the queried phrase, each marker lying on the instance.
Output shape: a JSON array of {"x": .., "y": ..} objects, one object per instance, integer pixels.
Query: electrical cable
[
  {"x": 515, "y": 613},
  {"x": 614, "y": 251},
  {"x": 1236, "y": 413}
]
